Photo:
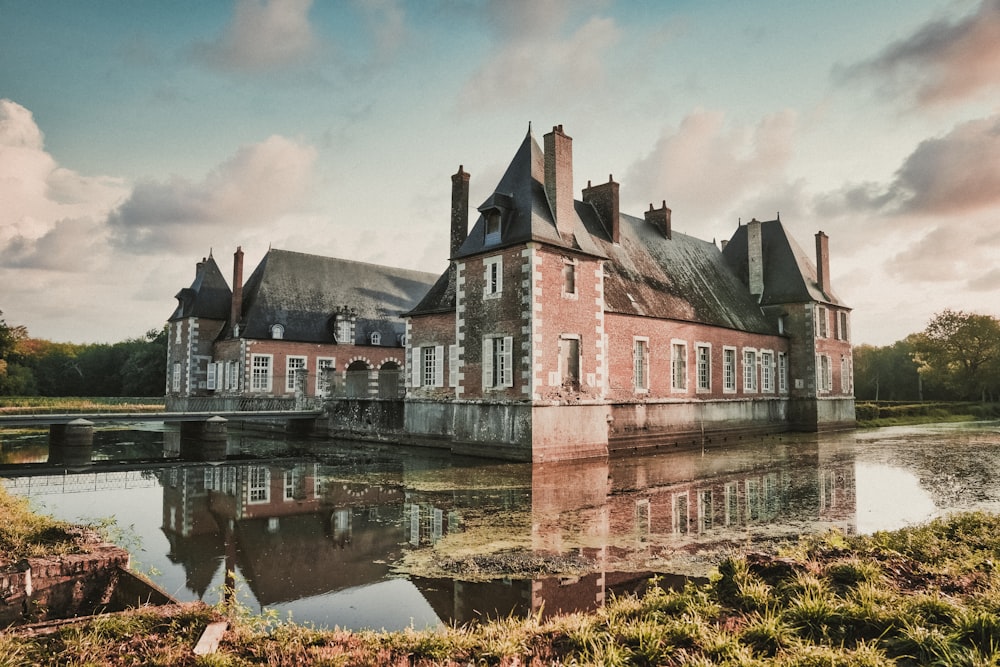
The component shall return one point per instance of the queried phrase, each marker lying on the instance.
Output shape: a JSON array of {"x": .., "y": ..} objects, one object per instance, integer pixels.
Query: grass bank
[
  {"x": 17, "y": 405},
  {"x": 918, "y": 596},
  {"x": 871, "y": 414}
]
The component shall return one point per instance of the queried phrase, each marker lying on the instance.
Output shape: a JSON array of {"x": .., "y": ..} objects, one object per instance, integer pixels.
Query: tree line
[
  {"x": 37, "y": 367},
  {"x": 955, "y": 358}
]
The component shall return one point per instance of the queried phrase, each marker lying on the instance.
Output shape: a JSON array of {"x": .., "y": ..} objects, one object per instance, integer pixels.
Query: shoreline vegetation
[
  {"x": 870, "y": 414},
  {"x": 926, "y": 594}
]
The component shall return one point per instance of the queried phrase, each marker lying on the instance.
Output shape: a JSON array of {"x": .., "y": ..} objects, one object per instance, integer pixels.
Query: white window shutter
[
  {"x": 415, "y": 366},
  {"x": 439, "y": 366},
  {"x": 453, "y": 365},
  {"x": 508, "y": 362},
  {"x": 487, "y": 362}
]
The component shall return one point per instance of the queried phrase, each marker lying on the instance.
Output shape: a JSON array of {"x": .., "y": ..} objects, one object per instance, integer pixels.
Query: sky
[{"x": 137, "y": 138}]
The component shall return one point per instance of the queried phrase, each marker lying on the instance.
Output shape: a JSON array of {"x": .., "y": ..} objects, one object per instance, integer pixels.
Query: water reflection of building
[
  {"x": 290, "y": 532},
  {"x": 298, "y": 529}
]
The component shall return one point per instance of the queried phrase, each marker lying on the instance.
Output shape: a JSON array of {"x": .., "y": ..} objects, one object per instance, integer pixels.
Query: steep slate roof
[
  {"x": 301, "y": 292},
  {"x": 209, "y": 295},
  {"x": 680, "y": 278},
  {"x": 789, "y": 273},
  {"x": 527, "y": 216},
  {"x": 646, "y": 274}
]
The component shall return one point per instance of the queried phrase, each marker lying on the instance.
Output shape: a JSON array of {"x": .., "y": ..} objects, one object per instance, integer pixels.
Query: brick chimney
[
  {"x": 459, "y": 209},
  {"x": 559, "y": 178},
  {"x": 755, "y": 258},
  {"x": 236, "y": 311},
  {"x": 604, "y": 199},
  {"x": 823, "y": 262},
  {"x": 660, "y": 218}
]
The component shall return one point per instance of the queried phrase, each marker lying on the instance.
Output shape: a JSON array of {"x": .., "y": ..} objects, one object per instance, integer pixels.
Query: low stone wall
[{"x": 54, "y": 587}]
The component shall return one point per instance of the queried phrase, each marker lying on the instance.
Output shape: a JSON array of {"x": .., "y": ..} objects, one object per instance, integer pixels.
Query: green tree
[
  {"x": 15, "y": 378},
  {"x": 145, "y": 369},
  {"x": 961, "y": 352},
  {"x": 886, "y": 373}
]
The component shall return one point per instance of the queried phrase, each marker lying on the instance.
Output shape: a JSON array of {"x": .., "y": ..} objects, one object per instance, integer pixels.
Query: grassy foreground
[{"x": 928, "y": 595}]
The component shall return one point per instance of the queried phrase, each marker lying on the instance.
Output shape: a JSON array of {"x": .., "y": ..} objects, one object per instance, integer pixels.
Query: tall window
[
  {"x": 260, "y": 372},
  {"x": 492, "y": 227},
  {"x": 729, "y": 369},
  {"x": 569, "y": 360},
  {"x": 842, "y": 331},
  {"x": 821, "y": 322},
  {"x": 498, "y": 362},
  {"x": 823, "y": 380},
  {"x": 749, "y": 370},
  {"x": 845, "y": 375},
  {"x": 569, "y": 277},
  {"x": 767, "y": 371},
  {"x": 678, "y": 366},
  {"x": 258, "y": 484},
  {"x": 295, "y": 369},
  {"x": 493, "y": 276},
  {"x": 782, "y": 372},
  {"x": 428, "y": 362},
  {"x": 704, "y": 353},
  {"x": 324, "y": 371},
  {"x": 640, "y": 364},
  {"x": 175, "y": 379},
  {"x": 345, "y": 335}
]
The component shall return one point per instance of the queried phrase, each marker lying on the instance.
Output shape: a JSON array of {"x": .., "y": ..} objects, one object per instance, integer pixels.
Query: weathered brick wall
[
  {"x": 662, "y": 334},
  {"x": 560, "y": 315},
  {"x": 503, "y": 315},
  {"x": 431, "y": 330}
]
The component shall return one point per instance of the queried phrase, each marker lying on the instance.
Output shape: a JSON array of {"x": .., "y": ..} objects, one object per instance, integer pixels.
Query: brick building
[
  {"x": 567, "y": 329},
  {"x": 301, "y": 327}
]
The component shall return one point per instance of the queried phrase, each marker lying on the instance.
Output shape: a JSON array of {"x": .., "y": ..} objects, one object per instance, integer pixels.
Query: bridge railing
[{"x": 241, "y": 403}]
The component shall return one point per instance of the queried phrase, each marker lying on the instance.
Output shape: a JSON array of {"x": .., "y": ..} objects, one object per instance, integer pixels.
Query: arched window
[
  {"x": 277, "y": 331},
  {"x": 376, "y": 338}
]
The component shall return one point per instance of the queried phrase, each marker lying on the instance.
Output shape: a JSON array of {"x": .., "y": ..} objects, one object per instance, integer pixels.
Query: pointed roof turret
[
  {"x": 518, "y": 210},
  {"x": 208, "y": 296}
]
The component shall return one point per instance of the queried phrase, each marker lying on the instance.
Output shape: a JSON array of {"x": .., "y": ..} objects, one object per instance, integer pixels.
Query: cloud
[
  {"x": 957, "y": 173},
  {"x": 43, "y": 201},
  {"x": 260, "y": 183},
  {"x": 706, "y": 165},
  {"x": 537, "y": 54},
  {"x": 264, "y": 35},
  {"x": 943, "y": 61}
]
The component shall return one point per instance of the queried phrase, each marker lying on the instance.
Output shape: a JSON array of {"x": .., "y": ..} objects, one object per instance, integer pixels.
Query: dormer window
[
  {"x": 376, "y": 338},
  {"x": 343, "y": 330},
  {"x": 342, "y": 325},
  {"x": 277, "y": 331},
  {"x": 492, "y": 226}
]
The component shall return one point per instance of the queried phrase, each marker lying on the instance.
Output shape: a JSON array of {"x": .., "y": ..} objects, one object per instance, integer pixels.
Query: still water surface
[{"x": 359, "y": 536}]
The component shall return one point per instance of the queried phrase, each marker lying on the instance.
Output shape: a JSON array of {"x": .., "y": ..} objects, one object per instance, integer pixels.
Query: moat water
[{"x": 361, "y": 536}]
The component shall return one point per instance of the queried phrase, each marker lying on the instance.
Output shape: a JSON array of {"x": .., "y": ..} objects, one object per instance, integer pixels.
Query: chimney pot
[
  {"x": 559, "y": 179},
  {"x": 236, "y": 309},
  {"x": 660, "y": 218},
  {"x": 459, "y": 209},
  {"x": 605, "y": 200}
]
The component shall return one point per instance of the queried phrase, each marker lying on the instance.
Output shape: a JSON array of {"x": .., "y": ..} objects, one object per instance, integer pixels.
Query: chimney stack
[
  {"x": 604, "y": 199},
  {"x": 823, "y": 262},
  {"x": 755, "y": 258},
  {"x": 559, "y": 178},
  {"x": 459, "y": 209},
  {"x": 236, "y": 310},
  {"x": 660, "y": 218}
]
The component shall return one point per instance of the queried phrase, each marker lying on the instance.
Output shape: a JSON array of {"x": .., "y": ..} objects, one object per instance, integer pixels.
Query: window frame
[
  {"x": 730, "y": 369},
  {"x": 703, "y": 367},
  {"x": 751, "y": 381},
  {"x": 782, "y": 372},
  {"x": 498, "y": 362},
  {"x": 493, "y": 277},
  {"x": 261, "y": 375},
  {"x": 302, "y": 363},
  {"x": 766, "y": 371},
  {"x": 640, "y": 364},
  {"x": 323, "y": 386},
  {"x": 678, "y": 365}
]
